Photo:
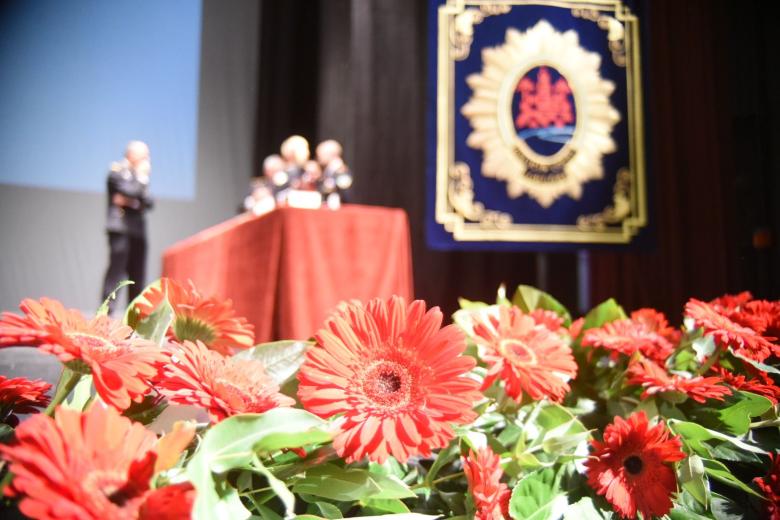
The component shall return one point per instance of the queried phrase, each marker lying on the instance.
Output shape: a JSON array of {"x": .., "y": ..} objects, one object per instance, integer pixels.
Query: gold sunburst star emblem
[{"x": 541, "y": 114}]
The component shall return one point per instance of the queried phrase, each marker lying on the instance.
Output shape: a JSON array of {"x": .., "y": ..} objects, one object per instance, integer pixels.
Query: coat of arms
[
  {"x": 541, "y": 114},
  {"x": 539, "y": 130}
]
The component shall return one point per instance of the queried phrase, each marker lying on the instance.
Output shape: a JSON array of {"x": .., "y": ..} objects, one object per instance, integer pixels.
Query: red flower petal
[
  {"x": 122, "y": 366},
  {"x": 630, "y": 467},
  {"x": 397, "y": 377},
  {"x": 197, "y": 317},
  {"x": 223, "y": 386},
  {"x": 528, "y": 357}
]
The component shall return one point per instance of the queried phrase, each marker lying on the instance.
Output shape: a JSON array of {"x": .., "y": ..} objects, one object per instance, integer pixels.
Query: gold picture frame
[{"x": 469, "y": 220}]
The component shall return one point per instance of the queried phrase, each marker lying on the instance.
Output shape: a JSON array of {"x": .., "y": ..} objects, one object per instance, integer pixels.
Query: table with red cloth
[{"x": 287, "y": 270}]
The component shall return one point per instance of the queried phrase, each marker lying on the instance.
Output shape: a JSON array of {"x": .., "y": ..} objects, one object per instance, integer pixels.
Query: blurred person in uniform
[
  {"x": 128, "y": 201},
  {"x": 311, "y": 176},
  {"x": 273, "y": 171},
  {"x": 295, "y": 153},
  {"x": 261, "y": 198},
  {"x": 336, "y": 176}
]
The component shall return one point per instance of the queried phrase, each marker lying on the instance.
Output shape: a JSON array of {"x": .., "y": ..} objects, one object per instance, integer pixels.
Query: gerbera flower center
[
  {"x": 517, "y": 352},
  {"x": 633, "y": 465},
  {"x": 91, "y": 342},
  {"x": 192, "y": 329},
  {"x": 91, "y": 345},
  {"x": 387, "y": 384}
]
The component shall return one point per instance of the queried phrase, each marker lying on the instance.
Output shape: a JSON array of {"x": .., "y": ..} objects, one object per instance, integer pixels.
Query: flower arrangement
[{"x": 513, "y": 411}]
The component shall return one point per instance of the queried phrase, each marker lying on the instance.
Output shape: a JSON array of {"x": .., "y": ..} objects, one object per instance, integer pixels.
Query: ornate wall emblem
[
  {"x": 541, "y": 114},
  {"x": 538, "y": 129}
]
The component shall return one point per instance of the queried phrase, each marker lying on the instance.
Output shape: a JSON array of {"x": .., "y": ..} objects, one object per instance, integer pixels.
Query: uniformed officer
[{"x": 128, "y": 201}]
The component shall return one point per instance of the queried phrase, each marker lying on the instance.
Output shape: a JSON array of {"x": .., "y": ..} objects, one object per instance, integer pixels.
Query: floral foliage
[{"x": 516, "y": 410}]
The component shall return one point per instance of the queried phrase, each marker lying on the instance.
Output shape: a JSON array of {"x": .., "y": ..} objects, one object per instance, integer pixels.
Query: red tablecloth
[{"x": 286, "y": 270}]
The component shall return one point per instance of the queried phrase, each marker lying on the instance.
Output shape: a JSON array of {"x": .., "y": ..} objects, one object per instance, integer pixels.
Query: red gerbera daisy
[
  {"x": 762, "y": 316},
  {"x": 398, "y": 378},
  {"x": 528, "y": 357},
  {"x": 169, "y": 503},
  {"x": 770, "y": 486},
  {"x": 95, "y": 464},
  {"x": 196, "y": 317},
  {"x": 223, "y": 386},
  {"x": 630, "y": 467},
  {"x": 731, "y": 302},
  {"x": 765, "y": 387},
  {"x": 20, "y": 395},
  {"x": 654, "y": 379},
  {"x": 491, "y": 496},
  {"x": 121, "y": 365},
  {"x": 647, "y": 331},
  {"x": 549, "y": 319},
  {"x": 744, "y": 340}
]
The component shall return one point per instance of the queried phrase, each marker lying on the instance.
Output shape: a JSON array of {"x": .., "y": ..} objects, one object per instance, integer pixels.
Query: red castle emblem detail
[{"x": 544, "y": 104}]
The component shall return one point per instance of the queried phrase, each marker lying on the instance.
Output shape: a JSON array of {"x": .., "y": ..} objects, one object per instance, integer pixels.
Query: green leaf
[
  {"x": 537, "y": 497},
  {"x": 719, "y": 471},
  {"x": 704, "y": 348},
  {"x": 388, "y": 467},
  {"x": 233, "y": 443},
  {"x": 692, "y": 432},
  {"x": 530, "y": 298},
  {"x": 691, "y": 476},
  {"x": 729, "y": 452},
  {"x": 471, "y": 440},
  {"x": 278, "y": 487},
  {"x": 384, "y": 505},
  {"x": 131, "y": 316},
  {"x": 154, "y": 326},
  {"x": 328, "y": 510},
  {"x": 603, "y": 313},
  {"x": 470, "y": 305},
  {"x": 6, "y": 432},
  {"x": 149, "y": 409},
  {"x": 443, "y": 458},
  {"x": 266, "y": 513},
  {"x": 80, "y": 395},
  {"x": 724, "y": 508},
  {"x": 103, "y": 309},
  {"x": 757, "y": 364},
  {"x": 585, "y": 509},
  {"x": 350, "y": 484},
  {"x": 281, "y": 359},
  {"x": 565, "y": 437},
  {"x": 736, "y": 418},
  {"x": 681, "y": 512},
  {"x": 553, "y": 415},
  {"x": 562, "y": 444},
  {"x": 687, "y": 508}
]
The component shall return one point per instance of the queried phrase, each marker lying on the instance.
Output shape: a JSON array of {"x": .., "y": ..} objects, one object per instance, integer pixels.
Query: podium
[{"x": 288, "y": 269}]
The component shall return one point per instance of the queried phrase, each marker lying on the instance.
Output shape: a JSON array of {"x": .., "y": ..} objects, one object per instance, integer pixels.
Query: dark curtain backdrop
[
  {"x": 712, "y": 149},
  {"x": 356, "y": 70}
]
